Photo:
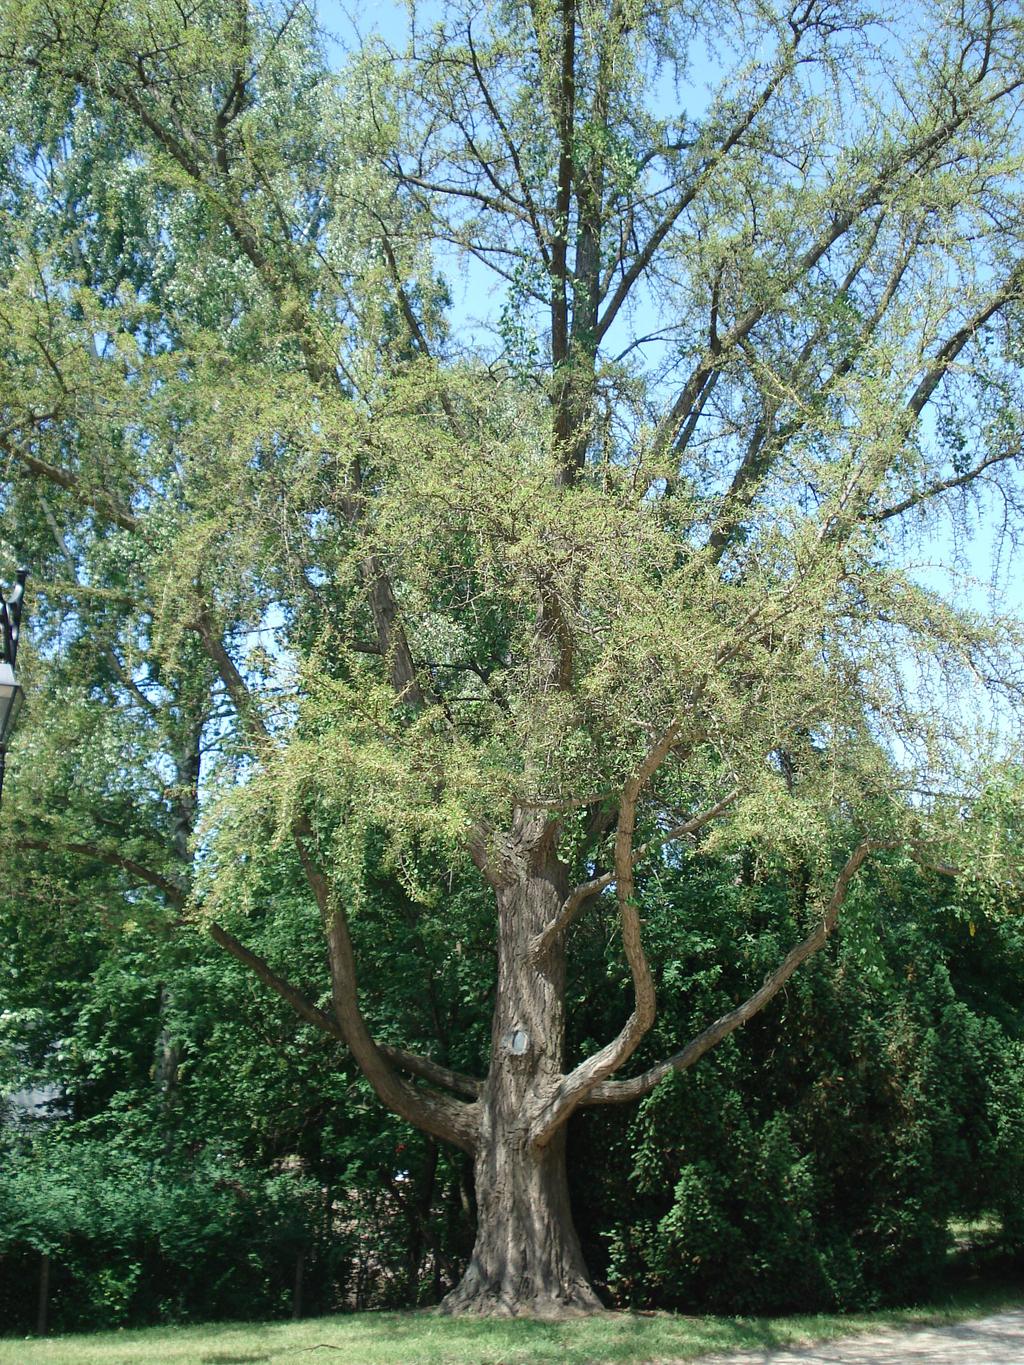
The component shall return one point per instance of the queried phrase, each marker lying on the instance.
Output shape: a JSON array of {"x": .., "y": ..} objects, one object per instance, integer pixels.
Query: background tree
[{"x": 627, "y": 577}]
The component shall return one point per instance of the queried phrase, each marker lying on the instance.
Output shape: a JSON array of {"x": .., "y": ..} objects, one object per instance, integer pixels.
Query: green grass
[{"x": 424, "y": 1339}]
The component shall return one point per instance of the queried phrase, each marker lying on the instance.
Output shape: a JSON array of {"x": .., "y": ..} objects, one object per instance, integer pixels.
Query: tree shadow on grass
[
  {"x": 611, "y": 1338},
  {"x": 221, "y": 1358}
]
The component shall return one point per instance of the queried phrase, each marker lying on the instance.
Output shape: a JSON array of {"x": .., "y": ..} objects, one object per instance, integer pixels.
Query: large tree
[{"x": 621, "y": 571}]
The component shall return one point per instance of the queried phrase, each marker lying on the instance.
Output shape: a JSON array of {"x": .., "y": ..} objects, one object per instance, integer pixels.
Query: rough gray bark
[{"x": 527, "y": 1256}]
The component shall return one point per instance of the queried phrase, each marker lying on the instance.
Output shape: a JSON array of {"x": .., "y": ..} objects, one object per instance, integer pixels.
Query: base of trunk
[
  {"x": 484, "y": 1296},
  {"x": 527, "y": 1259}
]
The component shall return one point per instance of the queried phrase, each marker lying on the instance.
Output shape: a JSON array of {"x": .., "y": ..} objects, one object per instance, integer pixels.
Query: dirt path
[{"x": 996, "y": 1340}]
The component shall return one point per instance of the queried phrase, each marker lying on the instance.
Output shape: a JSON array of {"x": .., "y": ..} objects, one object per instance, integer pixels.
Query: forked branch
[
  {"x": 621, "y": 1092},
  {"x": 441, "y": 1115},
  {"x": 575, "y": 903},
  {"x": 607, "y": 1060},
  {"x": 437, "y": 1113}
]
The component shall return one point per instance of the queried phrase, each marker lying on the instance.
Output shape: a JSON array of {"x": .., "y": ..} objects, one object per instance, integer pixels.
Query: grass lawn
[{"x": 424, "y": 1339}]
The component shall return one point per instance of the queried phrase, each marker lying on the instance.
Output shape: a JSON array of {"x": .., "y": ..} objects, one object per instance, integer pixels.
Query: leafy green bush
[
  {"x": 135, "y": 1241},
  {"x": 816, "y": 1161}
]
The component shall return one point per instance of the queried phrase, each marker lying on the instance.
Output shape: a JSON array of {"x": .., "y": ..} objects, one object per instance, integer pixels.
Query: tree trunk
[
  {"x": 43, "y": 1298},
  {"x": 527, "y": 1256}
]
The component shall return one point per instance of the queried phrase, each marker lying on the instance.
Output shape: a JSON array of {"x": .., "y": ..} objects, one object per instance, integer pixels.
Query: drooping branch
[
  {"x": 124, "y": 677},
  {"x": 621, "y": 1092},
  {"x": 391, "y": 639},
  {"x": 435, "y": 1114},
  {"x": 422, "y": 1067},
  {"x": 439, "y": 1115},
  {"x": 410, "y": 1062},
  {"x": 175, "y": 894}
]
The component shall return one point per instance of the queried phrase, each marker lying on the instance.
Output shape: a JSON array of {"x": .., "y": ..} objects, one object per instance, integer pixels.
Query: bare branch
[
  {"x": 1012, "y": 289},
  {"x": 621, "y": 1092},
  {"x": 914, "y": 157},
  {"x": 711, "y": 163},
  {"x": 528, "y": 201},
  {"x": 943, "y": 485},
  {"x": 575, "y": 902}
]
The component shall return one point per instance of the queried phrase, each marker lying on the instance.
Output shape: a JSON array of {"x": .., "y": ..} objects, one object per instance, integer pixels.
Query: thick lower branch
[
  {"x": 415, "y": 1065},
  {"x": 456, "y": 1081},
  {"x": 441, "y": 1115},
  {"x": 622, "y": 1092}
]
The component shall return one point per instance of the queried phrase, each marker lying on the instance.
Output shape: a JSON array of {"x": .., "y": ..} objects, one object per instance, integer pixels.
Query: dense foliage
[
  {"x": 818, "y": 1160},
  {"x": 203, "y": 1150},
  {"x": 821, "y": 1160}
]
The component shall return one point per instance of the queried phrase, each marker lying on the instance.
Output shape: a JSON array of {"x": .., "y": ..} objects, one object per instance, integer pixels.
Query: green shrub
[{"x": 816, "y": 1159}]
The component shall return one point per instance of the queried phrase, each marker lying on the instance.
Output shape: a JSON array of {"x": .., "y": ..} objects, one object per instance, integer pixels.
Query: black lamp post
[{"x": 11, "y": 693}]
